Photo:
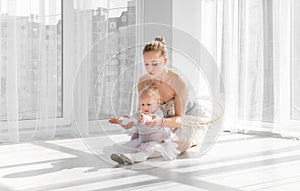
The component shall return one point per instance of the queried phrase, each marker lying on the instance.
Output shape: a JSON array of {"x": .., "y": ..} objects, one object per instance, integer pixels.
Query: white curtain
[
  {"x": 295, "y": 58},
  {"x": 59, "y": 79},
  {"x": 30, "y": 69},
  {"x": 258, "y": 61},
  {"x": 105, "y": 59},
  {"x": 246, "y": 56},
  {"x": 255, "y": 46},
  {"x": 82, "y": 34}
]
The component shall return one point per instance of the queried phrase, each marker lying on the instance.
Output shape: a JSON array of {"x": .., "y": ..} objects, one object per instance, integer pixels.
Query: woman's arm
[{"x": 180, "y": 102}]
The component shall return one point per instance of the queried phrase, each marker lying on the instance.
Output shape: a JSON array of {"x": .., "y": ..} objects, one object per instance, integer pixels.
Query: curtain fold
[
  {"x": 30, "y": 61},
  {"x": 295, "y": 46},
  {"x": 257, "y": 58},
  {"x": 82, "y": 46},
  {"x": 105, "y": 58},
  {"x": 47, "y": 85},
  {"x": 12, "y": 102}
]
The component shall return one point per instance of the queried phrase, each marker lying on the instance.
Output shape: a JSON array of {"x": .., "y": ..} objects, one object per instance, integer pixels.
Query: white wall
[{"x": 190, "y": 38}]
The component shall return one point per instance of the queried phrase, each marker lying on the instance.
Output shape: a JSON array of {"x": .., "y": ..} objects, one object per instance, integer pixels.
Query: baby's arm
[
  {"x": 115, "y": 120},
  {"x": 136, "y": 119},
  {"x": 125, "y": 121}
]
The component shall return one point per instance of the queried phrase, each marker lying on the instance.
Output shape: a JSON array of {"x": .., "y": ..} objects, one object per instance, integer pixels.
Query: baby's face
[{"x": 148, "y": 104}]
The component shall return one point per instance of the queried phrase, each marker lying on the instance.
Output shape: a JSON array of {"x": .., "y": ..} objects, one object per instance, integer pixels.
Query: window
[
  {"x": 112, "y": 26},
  {"x": 108, "y": 57},
  {"x": 31, "y": 40},
  {"x": 295, "y": 62}
]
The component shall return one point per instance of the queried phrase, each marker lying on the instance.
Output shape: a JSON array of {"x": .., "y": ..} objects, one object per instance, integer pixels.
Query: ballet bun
[{"x": 160, "y": 39}]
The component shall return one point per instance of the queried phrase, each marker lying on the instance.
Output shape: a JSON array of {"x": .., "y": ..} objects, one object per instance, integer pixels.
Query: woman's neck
[{"x": 162, "y": 76}]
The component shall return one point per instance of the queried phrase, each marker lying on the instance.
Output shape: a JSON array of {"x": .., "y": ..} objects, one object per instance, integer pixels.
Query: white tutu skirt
[
  {"x": 190, "y": 133},
  {"x": 193, "y": 129},
  {"x": 167, "y": 149}
]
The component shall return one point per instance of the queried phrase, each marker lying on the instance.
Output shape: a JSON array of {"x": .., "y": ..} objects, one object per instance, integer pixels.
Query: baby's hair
[
  {"x": 151, "y": 90},
  {"x": 157, "y": 45}
]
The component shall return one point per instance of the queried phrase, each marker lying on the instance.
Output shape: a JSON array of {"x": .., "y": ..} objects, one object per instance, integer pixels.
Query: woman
[
  {"x": 172, "y": 87},
  {"x": 173, "y": 90}
]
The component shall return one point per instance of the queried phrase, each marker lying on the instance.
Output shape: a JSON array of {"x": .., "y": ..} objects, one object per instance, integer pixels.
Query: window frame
[
  {"x": 286, "y": 81},
  {"x": 66, "y": 56}
]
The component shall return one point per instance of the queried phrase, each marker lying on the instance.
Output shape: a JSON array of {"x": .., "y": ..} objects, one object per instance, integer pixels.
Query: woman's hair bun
[
  {"x": 157, "y": 45},
  {"x": 160, "y": 39}
]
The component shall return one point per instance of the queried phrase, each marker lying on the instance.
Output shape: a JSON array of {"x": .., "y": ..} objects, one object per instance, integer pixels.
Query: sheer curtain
[
  {"x": 255, "y": 46},
  {"x": 246, "y": 55},
  {"x": 257, "y": 57},
  {"x": 295, "y": 58},
  {"x": 59, "y": 73},
  {"x": 104, "y": 52},
  {"x": 30, "y": 69},
  {"x": 82, "y": 43}
]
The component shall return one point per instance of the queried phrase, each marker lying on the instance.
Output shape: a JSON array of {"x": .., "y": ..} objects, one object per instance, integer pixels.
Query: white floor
[{"x": 235, "y": 162}]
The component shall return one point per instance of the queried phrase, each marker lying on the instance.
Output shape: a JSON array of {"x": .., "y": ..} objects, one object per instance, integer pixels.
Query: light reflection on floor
[{"x": 236, "y": 162}]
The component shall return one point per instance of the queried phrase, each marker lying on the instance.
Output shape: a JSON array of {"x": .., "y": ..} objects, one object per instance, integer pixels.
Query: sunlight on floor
[{"x": 236, "y": 162}]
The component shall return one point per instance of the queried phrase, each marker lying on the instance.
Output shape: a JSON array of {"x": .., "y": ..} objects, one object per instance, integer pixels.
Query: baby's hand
[
  {"x": 125, "y": 122},
  {"x": 145, "y": 118},
  {"x": 155, "y": 121},
  {"x": 115, "y": 120}
]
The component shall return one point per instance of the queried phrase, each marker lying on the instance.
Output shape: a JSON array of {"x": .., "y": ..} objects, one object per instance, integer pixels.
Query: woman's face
[{"x": 154, "y": 63}]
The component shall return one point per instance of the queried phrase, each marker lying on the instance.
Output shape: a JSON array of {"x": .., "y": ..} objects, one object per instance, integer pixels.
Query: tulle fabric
[
  {"x": 190, "y": 133},
  {"x": 167, "y": 149},
  {"x": 193, "y": 128}
]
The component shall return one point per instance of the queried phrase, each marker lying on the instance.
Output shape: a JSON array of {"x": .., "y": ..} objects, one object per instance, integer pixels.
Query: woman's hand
[{"x": 155, "y": 121}]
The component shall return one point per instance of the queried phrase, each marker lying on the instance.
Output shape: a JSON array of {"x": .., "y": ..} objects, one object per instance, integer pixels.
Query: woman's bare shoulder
[
  {"x": 176, "y": 78},
  {"x": 143, "y": 78}
]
